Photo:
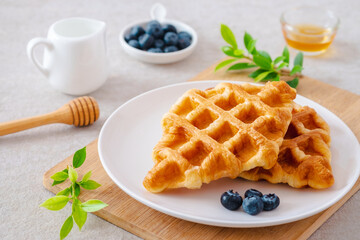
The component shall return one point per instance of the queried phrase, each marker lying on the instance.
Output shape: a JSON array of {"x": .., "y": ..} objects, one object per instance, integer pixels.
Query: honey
[{"x": 308, "y": 37}]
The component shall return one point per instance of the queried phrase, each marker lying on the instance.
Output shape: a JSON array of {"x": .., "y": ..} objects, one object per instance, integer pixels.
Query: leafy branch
[
  {"x": 268, "y": 69},
  {"x": 79, "y": 209}
]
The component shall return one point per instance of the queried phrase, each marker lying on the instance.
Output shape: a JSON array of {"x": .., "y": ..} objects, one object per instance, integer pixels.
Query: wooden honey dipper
[{"x": 79, "y": 112}]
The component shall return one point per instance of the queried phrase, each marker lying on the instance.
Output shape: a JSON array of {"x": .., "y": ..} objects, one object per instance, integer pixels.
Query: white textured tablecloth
[{"x": 24, "y": 91}]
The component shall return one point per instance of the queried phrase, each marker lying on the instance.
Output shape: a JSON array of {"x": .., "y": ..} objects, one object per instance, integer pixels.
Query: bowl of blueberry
[{"x": 159, "y": 40}]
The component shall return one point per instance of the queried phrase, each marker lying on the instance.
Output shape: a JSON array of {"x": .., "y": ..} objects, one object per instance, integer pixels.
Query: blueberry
[
  {"x": 155, "y": 50},
  {"x": 253, "y": 192},
  {"x": 137, "y": 31},
  {"x": 170, "y": 38},
  {"x": 129, "y": 37},
  {"x": 184, "y": 43},
  {"x": 271, "y": 201},
  {"x": 184, "y": 35},
  {"x": 155, "y": 30},
  {"x": 146, "y": 41},
  {"x": 159, "y": 43},
  {"x": 253, "y": 205},
  {"x": 170, "y": 49},
  {"x": 231, "y": 200},
  {"x": 153, "y": 22},
  {"x": 169, "y": 28},
  {"x": 134, "y": 43}
]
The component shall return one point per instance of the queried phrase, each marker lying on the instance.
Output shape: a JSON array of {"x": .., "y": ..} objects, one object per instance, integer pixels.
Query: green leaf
[
  {"x": 60, "y": 176},
  {"x": 249, "y": 43},
  {"x": 86, "y": 176},
  {"x": 286, "y": 54},
  {"x": 72, "y": 174},
  {"x": 293, "y": 83},
  {"x": 270, "y": 76},
  {"x": 90, "y": 185},
  {"x": 57, "y": 182},
  {"x": 298, "y": 61},
  {"x": 265, "y": 55},
  {"x": 262, "y": 76},
  {"x": 64, "y": 192},
  {"x": 240, "y": 66},
  {"x": 228, "y": 36},
  {"x": 296, "y": 69},
  {"x": 247, "y": 39},
  {"x": 277, "y": 78},
  {"x": 281, "y": 66},
  {"x": 228, "y": 51},
  {"x": 66, "y": 227},
  {"x": 224, "y": 63},
  {"x": 55, "y": 203},
  {"x": 79, "y": 157},
  {"x": 238, "y": 53},
  {"x": 262, "y": 61},
  {"x": 257, "y": 72},
  {"x": 251, "y": 47},
  {"x": 78, "y": 214},
  {"x": 279, "y": 59},
  {"x": 77, "y": 189},
  {"x": 93, "y": 205}
]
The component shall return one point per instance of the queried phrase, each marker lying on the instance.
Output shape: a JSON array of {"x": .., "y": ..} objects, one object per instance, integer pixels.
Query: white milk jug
[{"x": 75, "y": 59}]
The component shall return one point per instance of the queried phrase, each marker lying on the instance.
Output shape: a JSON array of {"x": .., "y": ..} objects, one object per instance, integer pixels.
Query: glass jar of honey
[{"x": 309, "y": 29}]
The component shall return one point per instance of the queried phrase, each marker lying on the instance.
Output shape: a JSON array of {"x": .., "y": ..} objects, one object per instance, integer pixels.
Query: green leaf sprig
[
  {"x": 268, "y": 69},
  {"x": 79, "y": 209}
]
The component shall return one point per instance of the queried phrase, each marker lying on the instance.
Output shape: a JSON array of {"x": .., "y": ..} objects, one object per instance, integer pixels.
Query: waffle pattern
[
  {"x": 304, "y": 158},
  {"x": 219, "y": 133}
]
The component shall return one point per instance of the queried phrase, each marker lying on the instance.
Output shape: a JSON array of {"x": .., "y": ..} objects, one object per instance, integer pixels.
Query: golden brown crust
[
  {"x": 220, "y": 132},
  {"x": 304, "y": 158}
]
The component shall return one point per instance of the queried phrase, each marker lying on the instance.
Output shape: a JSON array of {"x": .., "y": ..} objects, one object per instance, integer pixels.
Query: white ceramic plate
[{"x": 128, "y": 136}]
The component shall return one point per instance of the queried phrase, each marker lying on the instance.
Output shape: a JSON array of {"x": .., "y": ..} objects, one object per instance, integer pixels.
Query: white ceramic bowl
[{"x": 159, "y": 58}]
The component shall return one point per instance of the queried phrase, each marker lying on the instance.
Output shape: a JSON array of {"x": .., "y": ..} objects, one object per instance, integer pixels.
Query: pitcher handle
[{"x": 30, "y": 52}]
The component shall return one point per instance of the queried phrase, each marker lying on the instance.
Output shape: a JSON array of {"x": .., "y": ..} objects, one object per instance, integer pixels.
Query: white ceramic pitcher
[{"x": 75, "y": 59}]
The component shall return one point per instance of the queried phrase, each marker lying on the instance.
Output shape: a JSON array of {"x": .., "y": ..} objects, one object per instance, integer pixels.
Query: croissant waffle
[
  {"x": 304, "y": 158},
  {"x": 219, "y": 133}
]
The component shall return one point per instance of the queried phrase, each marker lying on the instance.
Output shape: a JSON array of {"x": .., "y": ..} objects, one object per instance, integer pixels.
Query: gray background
[{"x": 24, "y": 91}]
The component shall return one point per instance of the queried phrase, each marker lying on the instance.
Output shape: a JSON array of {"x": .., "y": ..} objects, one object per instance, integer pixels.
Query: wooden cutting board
[{"x": 147, "y": 223}]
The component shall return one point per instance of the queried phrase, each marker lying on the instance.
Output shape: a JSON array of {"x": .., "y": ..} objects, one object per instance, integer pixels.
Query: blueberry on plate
[
  {"x": 169, "y": 28},
  {"x": 155, "y": 30},
  {"x": 184, "y": 43},
  {"x": 253, "y": 192},
  {"x": 137, "y": 31},
  {"x": 159, "y": 43},
  {"x": 129, "y": 37},
  {"x": 253, "y": 205},
  {"x": 134, "y": 43},
  {"x": 146, "y": 41},
  {"x": 271, "y": 201},
  {"x": 184, "y": 35},
  {"x": 231, "y": 200},
  {"x": 170, "y": 49},
  {"x": 155, "y": 50},
  {"x": 171, "y": 38}
]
